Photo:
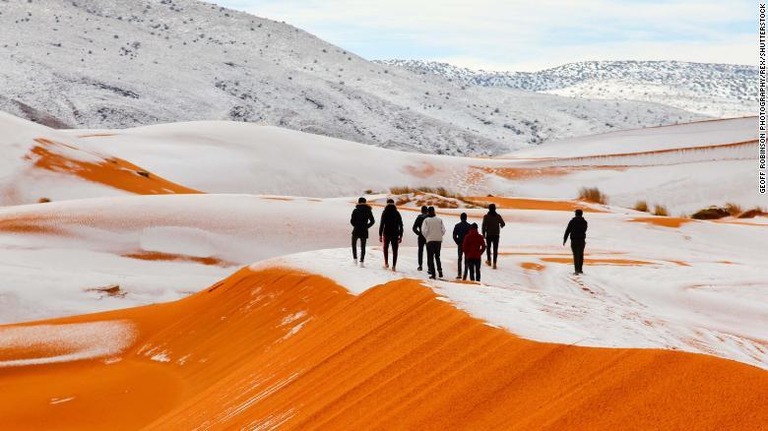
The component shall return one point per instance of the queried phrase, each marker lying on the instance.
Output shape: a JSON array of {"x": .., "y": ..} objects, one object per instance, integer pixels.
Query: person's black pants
[
  {"x": 422, "y": 244},
  {"x": 473, "y": 267},
  {"x": 362, "y": 247},
  {"x": 433, "y": 256},
  {"x": 460, "y": 255},
  {"x": 578, "y": 255},
  {"x": 395, "y": 244},
  {"x": 493, "y": 242}
]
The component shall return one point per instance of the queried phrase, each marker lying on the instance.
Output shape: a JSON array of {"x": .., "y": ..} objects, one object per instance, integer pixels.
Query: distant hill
[
  {"x": 720, "y": 90},
  {"x": 114, "y": 64}
]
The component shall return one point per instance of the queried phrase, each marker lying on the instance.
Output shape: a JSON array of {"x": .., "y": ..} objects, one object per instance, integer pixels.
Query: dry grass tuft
[
  {"x": 439, "y": 197},
  {"x": 441, "y": 191},
  {"x": 593, "y": 194},
  {"x": 660, "y": 210},
  {"x": 733, "y": 209},
  {"x": 711, "y": 213},
  {"x": 754, "y": 212},
  {"x": 641, "y": 206}
]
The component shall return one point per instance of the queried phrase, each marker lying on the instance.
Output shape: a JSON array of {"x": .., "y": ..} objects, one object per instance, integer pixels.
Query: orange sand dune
[
  {"x": 531, "y": 172},
  {"x": 664, "y": 151},
  {"x": 156, "y": 255},
  {"x": 662, "y": 221},
  {"x": 422, "y": 170},
  {"x": 112, "y": 172},
  {"x": 29, "y": 225},
  {"x": 395, "y": 357},
  {"x": 532, "y": 266},
  {"x": 535, "y": 204}
]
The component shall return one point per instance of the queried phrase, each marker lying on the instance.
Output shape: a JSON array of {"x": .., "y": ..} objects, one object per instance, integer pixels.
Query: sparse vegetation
[
  {"x": 754, "y": 212},
  {"x": 660, "y": 210},
  {"x": 442, "y": 191},
  {"x": 641, "y": 206},
  {"x": 711, "y": 213},
  {"x": 593, "y": 194},
  {"x": 432, "y": 196},
  {"x": 733, "y": 209}
]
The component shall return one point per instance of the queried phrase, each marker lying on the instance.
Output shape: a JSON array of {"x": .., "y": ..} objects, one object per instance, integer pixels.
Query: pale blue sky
[{"x": 525, "y": 35}]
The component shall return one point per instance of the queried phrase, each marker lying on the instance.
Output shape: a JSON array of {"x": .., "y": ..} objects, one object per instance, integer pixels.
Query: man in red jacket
[{"x": 473, "y": 248}]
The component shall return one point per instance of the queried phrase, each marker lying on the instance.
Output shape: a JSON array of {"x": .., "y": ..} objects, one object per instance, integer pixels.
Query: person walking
[
  {"x": 459, "y": 231},
  {"x": 361, "y": 220},
  {"x": 473, "y": 246},
  {"x": 417, "y": 230},
  {"x": 492, "y": 224},
  {"x": 391, "y": 232},
  {"x": 577, "y": 229},
  {"x": 433, "y": 231}
]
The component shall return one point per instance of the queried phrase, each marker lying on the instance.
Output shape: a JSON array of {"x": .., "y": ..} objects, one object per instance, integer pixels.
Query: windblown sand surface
[
  {"x": 113, "y": 172},
  {"x": 289, "y": 350}
]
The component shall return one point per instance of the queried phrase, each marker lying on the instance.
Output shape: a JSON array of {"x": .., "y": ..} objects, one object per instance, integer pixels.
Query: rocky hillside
[
  {"x": 112, "y": 64},
  {"x": 720, "y": 90}
]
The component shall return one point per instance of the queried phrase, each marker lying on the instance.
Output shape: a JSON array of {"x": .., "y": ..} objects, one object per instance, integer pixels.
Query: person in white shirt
[{"x": 433, "y": 230}]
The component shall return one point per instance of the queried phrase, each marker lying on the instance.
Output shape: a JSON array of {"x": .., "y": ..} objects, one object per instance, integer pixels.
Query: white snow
[
  {"x": 161, "y": 357},
  {"x": 66, "y": 342},
  {"x": 701, "y": 288},
  {"x": 700, "y": 291},
  {"x": 117, "y": 64}
]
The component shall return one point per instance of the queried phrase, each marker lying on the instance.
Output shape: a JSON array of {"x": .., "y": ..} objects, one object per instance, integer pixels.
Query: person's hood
[{"x": 364, "y": 207}]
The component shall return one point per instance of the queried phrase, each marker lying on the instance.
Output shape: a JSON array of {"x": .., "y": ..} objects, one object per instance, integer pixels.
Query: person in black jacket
[
  {"x": 391, "y": 232},
  {"x": 492, "y": 224},
  {"x": 417, "y": 230},
  {"x": 361, "y": 220},
  {"x": 577, "y": 229},
  {"x": 460, "y": 230}
]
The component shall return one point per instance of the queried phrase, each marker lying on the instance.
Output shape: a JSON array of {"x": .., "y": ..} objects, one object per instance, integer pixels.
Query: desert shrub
[
  {"x": 752, "y": 213},
  {"x": 436, "y": 202},
  {"x": 402, "y": 201},
  {"x": 660, "y": 210},
  {"x": 641, "y": 206},
  {"x": 43, "y": 200},
  {"x": 441, "y": 191},
  {"x": 593, "y": 194},
  {"x": 400, "y": 190},
  {"x": 443, "y": 198},
  {"x": 733, "y": 209},
  {"x": 711, "y": 213}
]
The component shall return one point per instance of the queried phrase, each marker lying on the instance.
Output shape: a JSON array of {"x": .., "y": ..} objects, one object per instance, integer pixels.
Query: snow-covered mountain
[
  {"x": 720, "y": 90},
  {"x": 112, "y": 64}
]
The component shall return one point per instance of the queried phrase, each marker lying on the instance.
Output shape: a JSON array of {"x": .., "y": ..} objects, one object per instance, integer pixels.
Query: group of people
[{"x": 429, "y": 229}]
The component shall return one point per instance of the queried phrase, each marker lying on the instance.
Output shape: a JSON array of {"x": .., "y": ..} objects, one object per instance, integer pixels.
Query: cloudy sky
[{"x": 525, "y": 35}]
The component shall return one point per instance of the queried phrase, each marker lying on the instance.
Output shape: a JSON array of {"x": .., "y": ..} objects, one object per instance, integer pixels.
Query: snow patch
[{"x": 51, "y": 344}]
